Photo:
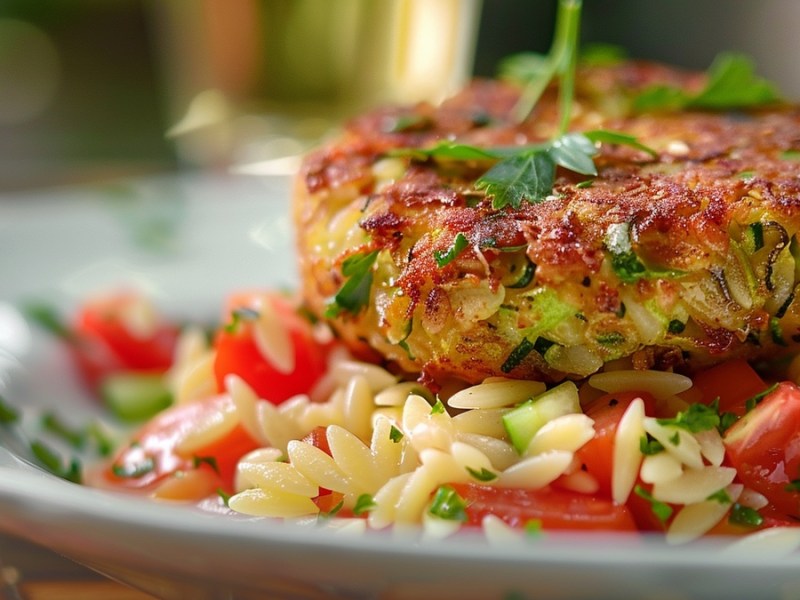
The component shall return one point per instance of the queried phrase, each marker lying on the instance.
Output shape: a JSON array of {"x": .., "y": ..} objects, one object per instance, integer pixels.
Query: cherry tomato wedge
[
  {"x": 155, "y": 454},
  {"x": 238, "y": 352},
  {"x": 733, "y": 382},
  {"x": 104, "y": 341},
  {"x": 597, "y": 455},
  {"x": 551, "y": 508},
  {"x": 764, "y": 447}
]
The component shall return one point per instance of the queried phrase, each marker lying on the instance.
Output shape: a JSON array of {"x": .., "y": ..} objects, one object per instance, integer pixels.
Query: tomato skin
[
  {"x": 597, "y": 455},
  {"x": 733, "y": 382},
  {"x": 102, "y": 344},
  {"x": 764, "y": 447},
  {"x": 159, "y": 439},
  {"x": 554, "y": 509},
  {"x": 237, "y": 352}
]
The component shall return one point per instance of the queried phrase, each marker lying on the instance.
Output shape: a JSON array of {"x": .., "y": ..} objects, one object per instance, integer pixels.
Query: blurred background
[{"x": 94, "y": 90}]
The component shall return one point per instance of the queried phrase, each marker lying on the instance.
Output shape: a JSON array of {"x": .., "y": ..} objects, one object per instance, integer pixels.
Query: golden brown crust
[{"x": 715, "y": 174}]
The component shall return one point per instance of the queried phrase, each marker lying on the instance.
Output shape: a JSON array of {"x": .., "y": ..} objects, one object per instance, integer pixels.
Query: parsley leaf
[
  {"x": 443, "y": 258},
  {"x": 447, "y": 504},
  {"x": 364, "y": 503},
  {"x": 649, "y": 446},
  {"x": 51, "y": 461},
  {"x": 527, "y": 176},
  {"x": 483, "y": 475},
  {"x": 354, "y": 294},
  {"x": 8, "y": 414},
  {"x": 239, "y": 315},
  {"x": 732, "y": 83},
  {"x": 660, "y": 509},
  {"x": 698, "y": 417},
  {"x": 744, "y": 515},
  {"x": 224, "y": 496},
  {"x": 48, "y": 319},
  {"x": 395, "y": 434},
  {"x": 625, "y": 263}
]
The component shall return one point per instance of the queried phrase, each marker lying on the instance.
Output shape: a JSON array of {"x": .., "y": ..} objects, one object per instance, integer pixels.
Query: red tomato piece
[
  {"x": 153, "y": 454},
  {"x": 553, "y": 509},
  {"x": 103, "y": 342},
  {"x": 597, "y": 455},
  {"x": 237, "y": 351},
  {"x": 764, "y": 447},
  {"x": 733, "y": 382}
]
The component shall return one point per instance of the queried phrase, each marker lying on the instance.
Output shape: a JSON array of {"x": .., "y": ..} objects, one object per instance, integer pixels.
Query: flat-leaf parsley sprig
[{"x": 528, "y": 172}]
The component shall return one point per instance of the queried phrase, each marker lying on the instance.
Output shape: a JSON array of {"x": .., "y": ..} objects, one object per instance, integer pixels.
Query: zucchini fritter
[{"x": 677, "y": 260}]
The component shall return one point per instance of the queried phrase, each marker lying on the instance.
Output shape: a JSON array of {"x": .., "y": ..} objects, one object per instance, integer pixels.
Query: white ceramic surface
[{"x": 188, "y": 241}]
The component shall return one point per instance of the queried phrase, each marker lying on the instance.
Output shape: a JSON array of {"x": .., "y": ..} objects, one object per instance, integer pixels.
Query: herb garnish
[
  {"x": 744, "y": 515},
  {"x": 48, "y": 319},
  {"x": 239, "y": 315},
  {"x": 438, "y": 408},
  {"x": 51, "y": 461},
  {"x": 354, "y": 294},
  {"x": 483, "y": 474},
  {"x": 364, "y": 503},
  {"x": 224, "y": 496},
  {"x": 697, "y": 417},
  {"x": 649, "y": 446},
  {"x": 447, "y": 504},
  {"x": 751, "y": 403},
  {"x": 732, "y": 83},
  {"x": 720, "y": 496},
  {"x": 8, "y": 414},
  {"x": 395, "y": 434},
  {"x": 443, "y": 258},
  {"x": 660, "y": 509}
]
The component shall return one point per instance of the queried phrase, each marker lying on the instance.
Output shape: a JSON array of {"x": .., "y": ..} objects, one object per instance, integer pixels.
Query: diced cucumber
[
  {"x": 524, "y": 421},
  {"x": 133, "y": 396}
]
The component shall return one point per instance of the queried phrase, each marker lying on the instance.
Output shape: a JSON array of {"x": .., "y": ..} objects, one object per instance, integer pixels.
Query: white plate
[{"x": 189, "y": 241}]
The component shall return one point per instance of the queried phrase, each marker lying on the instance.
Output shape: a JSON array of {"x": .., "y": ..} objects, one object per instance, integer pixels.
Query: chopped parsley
[
  {"x": 240, "y": 315},
  {"x": 649, "y": 446},
  {"x": 52, "y": 424},
  {"x": 48, "y": 319},
  {"x": 53, "y": 462},
  {"x": 8, "y": 414},
  {"x": 720, "y": 496},
  {"x": 660, "y": 509},
  {"x": 443, "y": 258},
  {"x": 331, "y": 513},
  {"x": 364, "y": 504},
  {"x": 224, "y": 496},
  {"x": 697, "y": 417},
  {"x": 676, "y": 327},
  {"x": 744, "y": 515},
  {"x": 437, "y": 408},
  {"x": 732, "y": 83},
  {"x": 754, "y": 401},
  {"x": 447, "y": 504},
  {"x": 354, "y": 294},
  {"x": 483, "y": 475},
  {"x": 533, "y": 527},
  {"x": 395, "y": 434},
  {"x": 793, "y": 486}
]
